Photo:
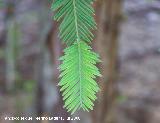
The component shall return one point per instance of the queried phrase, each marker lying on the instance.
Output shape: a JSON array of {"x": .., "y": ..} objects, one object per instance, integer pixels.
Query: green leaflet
[
  {"x": 76, "y": 20},
  {"x": 78, "y": 68},
  {"x": 78, "y": 71}
]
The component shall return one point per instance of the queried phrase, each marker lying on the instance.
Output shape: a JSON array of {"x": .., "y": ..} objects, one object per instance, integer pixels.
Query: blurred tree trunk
[
  {"x": 109, "y": 17},
  {"x": 55, "y": 48},
  {"x": 41, "y": 65},
  {"x": 40, "y": 92}
]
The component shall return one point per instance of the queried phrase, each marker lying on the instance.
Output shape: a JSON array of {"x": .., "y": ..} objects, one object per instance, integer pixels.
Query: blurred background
[{"x": 127, "y": 39}]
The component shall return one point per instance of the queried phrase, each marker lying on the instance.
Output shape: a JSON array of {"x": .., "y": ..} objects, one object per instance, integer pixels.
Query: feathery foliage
[
  {"x": 77, "y": 20},
  {"x": 78, "y": 71},
  {"x": 78, "y": 68}
]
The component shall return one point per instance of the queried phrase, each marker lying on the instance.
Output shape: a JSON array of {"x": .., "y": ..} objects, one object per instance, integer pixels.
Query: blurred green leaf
[
  {"x": 2, "y": 53},
  {"x": 1, "y": 4},
  {"x": 122, "y": 98},
  {"x": 29, "y": 85}
]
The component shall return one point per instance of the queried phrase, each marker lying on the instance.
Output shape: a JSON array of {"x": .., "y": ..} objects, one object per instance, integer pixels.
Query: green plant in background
[
  {"x": 12, "y": 53},
  {"x": 78, "y": 68},
  {"x": 1, "y": 3}
]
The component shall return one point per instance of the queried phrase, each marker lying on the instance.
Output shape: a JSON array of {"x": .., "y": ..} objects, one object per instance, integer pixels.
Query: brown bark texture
[
  {"x": 108, "y": 18},
  {"x": 55, "y": 49}
]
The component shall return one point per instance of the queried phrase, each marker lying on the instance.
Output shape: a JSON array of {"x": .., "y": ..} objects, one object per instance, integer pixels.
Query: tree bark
[
  {"x": 55, "y": 48},
  {"x": 109, "y": 17}
]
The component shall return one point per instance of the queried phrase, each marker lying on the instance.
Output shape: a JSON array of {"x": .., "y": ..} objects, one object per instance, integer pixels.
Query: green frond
[
  {"x": 78, "y": 68},
  {"x": 78, "y": 72},
  {"x": 76, "y": 18}
]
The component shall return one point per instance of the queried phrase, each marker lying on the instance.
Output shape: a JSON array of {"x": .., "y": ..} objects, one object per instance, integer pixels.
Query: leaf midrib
[{"x": 79, "y": 50}]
